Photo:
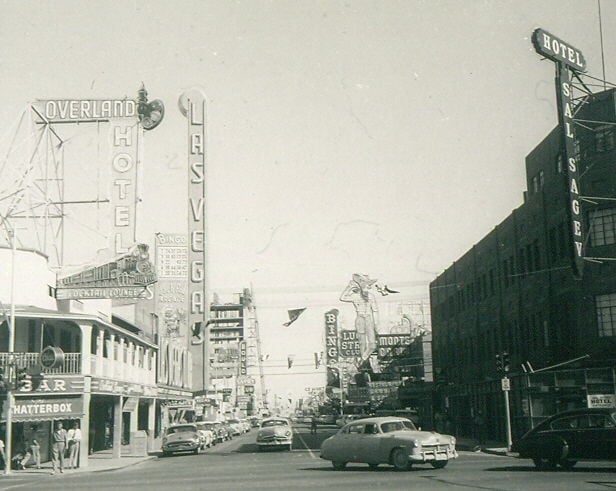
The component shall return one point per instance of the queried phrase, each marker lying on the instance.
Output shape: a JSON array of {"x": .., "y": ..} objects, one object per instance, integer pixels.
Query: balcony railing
[{"x": 71, "y": 365}]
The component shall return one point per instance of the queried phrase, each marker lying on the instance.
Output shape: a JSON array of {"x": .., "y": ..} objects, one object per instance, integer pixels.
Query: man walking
[
  {"x": 58, "y": 447},
  {"x": 313, "y": 425},
  {"x": 74, "y": 442}
]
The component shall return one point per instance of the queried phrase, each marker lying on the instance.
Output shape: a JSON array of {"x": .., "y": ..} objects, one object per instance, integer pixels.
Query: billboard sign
[
  {"x": 390, "y": 345},
  {"x": 349, "y": 344},
  {"x": 172, "y": 288},
  {"x": 126, "y": 276}
]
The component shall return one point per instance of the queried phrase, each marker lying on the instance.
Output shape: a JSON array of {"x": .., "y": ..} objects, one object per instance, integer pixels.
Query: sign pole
[
  {"x": 505, "y": 384},
  {"x": 9, "y": 391}
]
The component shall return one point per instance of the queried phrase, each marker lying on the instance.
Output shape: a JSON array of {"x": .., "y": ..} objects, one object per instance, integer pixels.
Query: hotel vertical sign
[
  {"x": 193, "y": 104},
  {"x": 567, "y": 59}
]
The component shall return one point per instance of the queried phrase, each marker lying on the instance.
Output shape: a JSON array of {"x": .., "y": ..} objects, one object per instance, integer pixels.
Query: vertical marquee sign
[
  {"x": 331, "y": 337},
  {"x": 192, "y": 105},
  {"x": 567, "y": 59}
]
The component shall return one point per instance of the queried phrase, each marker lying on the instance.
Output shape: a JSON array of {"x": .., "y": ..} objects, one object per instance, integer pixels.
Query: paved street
[{"x": 239, "y": 465}]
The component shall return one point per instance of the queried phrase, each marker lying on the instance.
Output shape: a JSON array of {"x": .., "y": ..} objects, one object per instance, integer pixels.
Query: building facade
[{"x": 514, "y": 294}]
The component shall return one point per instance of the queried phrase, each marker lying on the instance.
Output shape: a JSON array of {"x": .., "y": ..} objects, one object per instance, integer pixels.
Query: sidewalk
[
  {"x": 491, "y": 447},
  {"x": 97, "y": 462}
]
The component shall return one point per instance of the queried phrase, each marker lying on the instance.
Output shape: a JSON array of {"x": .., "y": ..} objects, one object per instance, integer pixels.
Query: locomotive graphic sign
[{"x": 127, "y": 276}]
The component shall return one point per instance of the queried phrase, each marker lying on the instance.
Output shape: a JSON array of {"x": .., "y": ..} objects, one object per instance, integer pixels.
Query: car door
[
  {"x": 368, "y": 444},
  {"x": 562, "y": 430},
  {"x": 353, "y": 444},
  {"x": 597, "y": 440}
]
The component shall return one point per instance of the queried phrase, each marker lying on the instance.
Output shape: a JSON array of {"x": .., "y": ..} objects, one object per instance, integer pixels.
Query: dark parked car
[{"x": 565, "y": 438}]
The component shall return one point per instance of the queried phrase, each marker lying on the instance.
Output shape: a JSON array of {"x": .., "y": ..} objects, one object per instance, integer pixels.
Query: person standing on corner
[
  {"x": 58, "y": 439},
  {"x": 313, "y": 425},
  {"x": 74, "y": 442}
]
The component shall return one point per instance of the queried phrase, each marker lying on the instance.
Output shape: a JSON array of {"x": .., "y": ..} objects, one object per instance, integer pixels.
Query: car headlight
[
  {"x": 453, "y": 440},
  {"x": 164, "y": 440},
  {"x": 287, "y": 433},
  {"x": 415, "y": 444}
]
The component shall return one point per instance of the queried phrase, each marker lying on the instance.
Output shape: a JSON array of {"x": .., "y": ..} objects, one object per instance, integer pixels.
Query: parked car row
[{"x": 194, "y": 437}]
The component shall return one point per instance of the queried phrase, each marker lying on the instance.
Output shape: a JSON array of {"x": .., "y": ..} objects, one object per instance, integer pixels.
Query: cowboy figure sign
[{"x": 359, "y": 292}]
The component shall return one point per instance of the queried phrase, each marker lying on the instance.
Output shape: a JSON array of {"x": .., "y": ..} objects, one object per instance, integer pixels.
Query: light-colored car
[
  {"x": 388, "y": 440},
  {"x": 181, "y": 438},
  {"x": 275, "y": 432},
  {"x": 207, "y": 434},
  {"x": 236, "y": 427},
  {"x": 347, "y": 418}
]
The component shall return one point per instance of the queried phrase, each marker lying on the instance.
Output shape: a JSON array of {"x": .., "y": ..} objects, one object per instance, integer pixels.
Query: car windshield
[
  {"x": 395, "y": 426},
  {"x": 273, "y": 422},
  {"x": 179, "y": 429}
]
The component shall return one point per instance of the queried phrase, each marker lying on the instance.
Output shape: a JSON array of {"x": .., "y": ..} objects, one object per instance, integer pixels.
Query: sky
[{"x": 376, "y": 137}]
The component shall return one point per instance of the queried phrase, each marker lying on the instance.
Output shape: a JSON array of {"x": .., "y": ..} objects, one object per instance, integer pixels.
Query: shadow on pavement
[{"x": 531, "y": 468}]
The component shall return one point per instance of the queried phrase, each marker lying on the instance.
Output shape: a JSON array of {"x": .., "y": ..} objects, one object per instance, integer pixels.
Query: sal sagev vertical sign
[{"x": 567, "y": 59}]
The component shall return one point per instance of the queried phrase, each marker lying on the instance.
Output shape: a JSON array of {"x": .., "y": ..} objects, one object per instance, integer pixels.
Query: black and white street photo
[{"x": 310, "y": 244}]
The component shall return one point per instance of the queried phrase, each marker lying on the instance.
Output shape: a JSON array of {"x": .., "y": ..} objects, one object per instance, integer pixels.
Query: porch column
[
  {"x": 84, "y": 424},
  {"x": 99, "y": 352},
  {"x": 121, "y": 356},
  {"x": 86, "y": 356},
  {"x": 117, "y": 428},
  {"x": 152, "y": 425}
]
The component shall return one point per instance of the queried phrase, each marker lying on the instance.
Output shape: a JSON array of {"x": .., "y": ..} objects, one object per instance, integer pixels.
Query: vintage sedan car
[
  {"x": 565, "y": 438},
  {"x": 275, "y": 432},
  {"x": 207, "y": 434},
  {"x": 181, "y": 438},
  {"x": 388, "y": 440},
  {"x": 236, "y": 427}
]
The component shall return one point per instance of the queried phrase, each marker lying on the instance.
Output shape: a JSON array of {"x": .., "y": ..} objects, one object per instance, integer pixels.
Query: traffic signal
[
  {"x": 505, "y": 359},
  {"x": 499, "y": 363},
  {"x": 20, "y": 378}
]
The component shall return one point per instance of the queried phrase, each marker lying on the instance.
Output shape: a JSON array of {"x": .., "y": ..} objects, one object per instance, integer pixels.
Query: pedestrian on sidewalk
[
  {"x": 2, "y": 455},
  {"x": 58, "y": 447},
  {"x": 479, "y": 425},
  {"x": 313, "y": 425},
  {"x": 32, "y": 451},
  {"x": 74, "y": 442}
]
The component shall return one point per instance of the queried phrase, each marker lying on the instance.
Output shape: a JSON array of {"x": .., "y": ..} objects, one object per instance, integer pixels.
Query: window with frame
[
  {"x": 606, "y": 314},
  {"x": 602, "y": 226},
  {"x": 604, "y": 138}
]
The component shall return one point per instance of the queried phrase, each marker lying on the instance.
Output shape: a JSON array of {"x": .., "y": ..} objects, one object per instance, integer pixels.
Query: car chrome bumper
[{"x": 429, "y": 455}]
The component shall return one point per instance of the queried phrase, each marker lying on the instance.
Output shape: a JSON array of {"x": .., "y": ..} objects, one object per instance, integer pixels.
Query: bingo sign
[
  {"x": 331, "y": 336},
  {"x": 172, "y": 289}
]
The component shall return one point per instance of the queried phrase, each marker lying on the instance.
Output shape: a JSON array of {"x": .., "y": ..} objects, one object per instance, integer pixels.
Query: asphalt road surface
[{"x": 238, "y": 464}]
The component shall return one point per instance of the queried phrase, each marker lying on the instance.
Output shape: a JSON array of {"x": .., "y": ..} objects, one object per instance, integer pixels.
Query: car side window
[
  {"x": 565, "y": 423},
  {"x": 600, "y": 421},
  {"x": 356, "y": 429},
  {"x": 370, "y": 429}
]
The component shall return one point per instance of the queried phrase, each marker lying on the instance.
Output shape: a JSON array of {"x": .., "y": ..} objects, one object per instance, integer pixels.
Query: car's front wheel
[
  {"x": 439, "y": 464},
  {"x": 400, "y": 460},
  {"x": 373, "y": 466},
  {"x": 197, "y": 450},
  {"x": 339, "y": 466},
  {"x": 544, "y": 464}
]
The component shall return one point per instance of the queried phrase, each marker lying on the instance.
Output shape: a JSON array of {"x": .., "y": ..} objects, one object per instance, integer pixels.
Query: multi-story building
[
  {"x": 515, "y": 293},
  {"x": 106, "y": 381},
  {"x": 234, "y": 360}
]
